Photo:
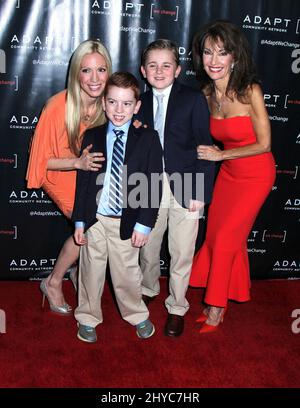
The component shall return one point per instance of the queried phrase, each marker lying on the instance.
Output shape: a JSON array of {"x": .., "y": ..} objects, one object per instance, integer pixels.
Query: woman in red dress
[{"x": 239, "y": 121}]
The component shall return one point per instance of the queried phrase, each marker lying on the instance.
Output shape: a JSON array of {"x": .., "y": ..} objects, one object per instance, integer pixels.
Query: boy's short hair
[
  {"x": 123, "y": 80},
  {"x": 161, "y": 44}
]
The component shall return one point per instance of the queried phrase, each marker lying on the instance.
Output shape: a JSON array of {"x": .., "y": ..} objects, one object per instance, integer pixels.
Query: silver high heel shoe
[
  {"x": 73, "y": 275},
  {"x": 65, "y": 309}
]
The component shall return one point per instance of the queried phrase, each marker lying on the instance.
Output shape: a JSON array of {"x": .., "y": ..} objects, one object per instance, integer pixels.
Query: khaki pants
[
  {"x": 182, "y": 233},
  {"x": 104, "y": 243}
]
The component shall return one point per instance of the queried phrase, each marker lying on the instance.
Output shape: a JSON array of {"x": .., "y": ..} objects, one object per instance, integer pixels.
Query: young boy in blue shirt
[{"x": 113, "y": 225}]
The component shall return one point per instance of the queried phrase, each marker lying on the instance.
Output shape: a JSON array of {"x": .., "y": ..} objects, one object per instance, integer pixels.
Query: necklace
[
  {"x": 219, "y": 104},
  {"x": 87, "y": 117}
]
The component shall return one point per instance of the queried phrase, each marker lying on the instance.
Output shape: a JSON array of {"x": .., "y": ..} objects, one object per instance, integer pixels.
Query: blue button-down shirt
[{"x": 103, "y": 206}]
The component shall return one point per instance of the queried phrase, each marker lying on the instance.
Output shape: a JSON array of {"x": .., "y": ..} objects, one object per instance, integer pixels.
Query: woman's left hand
[{"x": 210, "y": 153}]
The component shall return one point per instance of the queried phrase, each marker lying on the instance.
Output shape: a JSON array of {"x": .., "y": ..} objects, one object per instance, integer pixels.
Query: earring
[{"x": 232, "y": 66}]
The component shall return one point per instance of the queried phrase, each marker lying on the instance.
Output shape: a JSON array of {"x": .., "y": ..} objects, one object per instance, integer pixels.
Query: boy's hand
[
  {"x": 79, "y": 236},
  {"x": 196, "y": 205},
  {"x": 138, "y": 239}
]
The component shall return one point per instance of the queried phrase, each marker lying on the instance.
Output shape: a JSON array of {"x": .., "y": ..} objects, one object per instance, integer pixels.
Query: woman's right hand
[
  {"x": 90, "y": 161},
  {"x": 210, "y": 153}
]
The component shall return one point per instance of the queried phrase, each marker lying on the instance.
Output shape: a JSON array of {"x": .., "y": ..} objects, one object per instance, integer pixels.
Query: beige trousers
[
  {"x": 182, "y": 233},
  {"x": 104, "y": 243}
]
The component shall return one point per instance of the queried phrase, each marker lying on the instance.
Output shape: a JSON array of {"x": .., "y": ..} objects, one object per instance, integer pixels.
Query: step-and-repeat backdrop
[{"x": 37, "y": 38}]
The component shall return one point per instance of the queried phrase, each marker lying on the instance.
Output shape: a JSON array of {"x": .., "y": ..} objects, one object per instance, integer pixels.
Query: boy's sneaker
[
  {"x": 145, "y": 329},
  {"x": 86, "y": 333}
]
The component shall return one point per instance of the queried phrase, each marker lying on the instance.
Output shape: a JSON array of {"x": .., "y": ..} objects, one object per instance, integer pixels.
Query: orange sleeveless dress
[
  {"x": 50, "y": 140},
  {"x": 242, "y": 185}
]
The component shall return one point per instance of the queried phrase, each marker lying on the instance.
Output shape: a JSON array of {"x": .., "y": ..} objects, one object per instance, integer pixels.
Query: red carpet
[{"x": 255, "y": 346}]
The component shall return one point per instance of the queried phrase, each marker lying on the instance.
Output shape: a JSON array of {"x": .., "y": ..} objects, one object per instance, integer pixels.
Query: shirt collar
[
  {"x": 124, "y": 127},
  {"x": 166, "y": 91}
]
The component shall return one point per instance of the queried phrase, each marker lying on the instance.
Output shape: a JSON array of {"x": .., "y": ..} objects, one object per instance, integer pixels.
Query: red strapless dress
[{"x": 242, "y": 185}]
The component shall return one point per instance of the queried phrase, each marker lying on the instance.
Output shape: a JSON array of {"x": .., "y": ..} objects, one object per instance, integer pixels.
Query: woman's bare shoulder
[{"x": 254, "y": 91}]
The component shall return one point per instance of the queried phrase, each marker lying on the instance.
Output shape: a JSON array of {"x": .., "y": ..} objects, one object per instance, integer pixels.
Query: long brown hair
[{"x": 234, "y": 41}]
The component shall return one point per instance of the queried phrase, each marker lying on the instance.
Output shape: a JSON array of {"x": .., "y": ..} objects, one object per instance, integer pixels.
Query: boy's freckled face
[
  {"x": 120, "y": 105},
  {"x": 160, "y": 69}
]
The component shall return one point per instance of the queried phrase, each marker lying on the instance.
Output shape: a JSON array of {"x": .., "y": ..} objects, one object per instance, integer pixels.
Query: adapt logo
[
  {"x": 287, "y": 265},
  {"x": 271, "y": 100},
  {"x": 127, "y": 9},
  {"x": 276, "y": 101},
  {"x": 34, "y": 264},
  {"x": 292, "y": 204},
  {"x": 28, "y": 197},
  {"x": 42, "y": 43},
  {"x": 267, "y": 23},
  {"x": 23, "y": 122}
]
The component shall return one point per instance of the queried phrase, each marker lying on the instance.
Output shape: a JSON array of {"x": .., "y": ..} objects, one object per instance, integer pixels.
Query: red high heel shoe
[
  {"x": 203, "y": 317},
  {"x": 208, "y": 328}
]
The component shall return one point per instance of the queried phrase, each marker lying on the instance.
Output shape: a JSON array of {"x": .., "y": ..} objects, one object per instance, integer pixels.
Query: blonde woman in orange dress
[{"x": 54, "y": 156}]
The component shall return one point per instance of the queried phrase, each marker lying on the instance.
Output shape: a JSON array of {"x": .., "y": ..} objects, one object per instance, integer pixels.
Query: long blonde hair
[{"x": 73, "y": 103}]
